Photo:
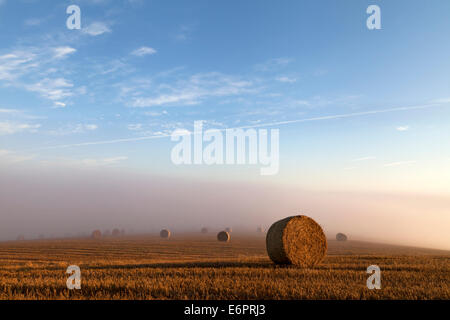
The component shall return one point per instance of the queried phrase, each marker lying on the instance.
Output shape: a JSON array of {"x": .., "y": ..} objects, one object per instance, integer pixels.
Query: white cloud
[
  {"x": 155, "y": 114},
  {"x": 16, "y": 63},
  {"x": 8, "y": 127},
  {"x": 102, "y": 162},
  {"x": 143, "y": 51},
  {"x": 96, "y": 29},
  {"x": 90, "y": 127},
  {"x": 52, "y": 89},
  {"x": 443, "y": 100},
  {"x": 194, "y": 90},
  {"x": 402, "y": 128},
  {"x": 8, "y": 157},
  {"x": 62, "y": 52},
  {"x": 58, "y": 104},
  {"x": 9, "y": 111},
  {"x": 74, "y": 129},
  {"x": 134, "y": 127},
  {"x": 399, "y": 163},
  {"x": 286, "y": 79},
  {"x": 273, "y": 64}
]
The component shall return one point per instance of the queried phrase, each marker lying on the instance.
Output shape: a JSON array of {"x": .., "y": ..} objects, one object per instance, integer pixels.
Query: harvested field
[{"x": 199, "y": 267}]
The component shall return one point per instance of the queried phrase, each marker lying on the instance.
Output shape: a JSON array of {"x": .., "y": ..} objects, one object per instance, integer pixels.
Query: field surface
[{"x": 198, "y": 267}]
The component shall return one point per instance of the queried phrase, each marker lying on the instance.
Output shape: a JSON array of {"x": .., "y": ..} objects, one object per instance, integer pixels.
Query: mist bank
[{"x": 61, "y": 201}]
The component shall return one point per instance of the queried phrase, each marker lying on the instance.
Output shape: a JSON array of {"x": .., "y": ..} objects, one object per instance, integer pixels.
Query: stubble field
[{"x": 190, "y": 266}]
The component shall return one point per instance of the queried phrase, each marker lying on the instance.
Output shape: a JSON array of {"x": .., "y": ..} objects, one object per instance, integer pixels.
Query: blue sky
[{"x": 145, "y": 68}]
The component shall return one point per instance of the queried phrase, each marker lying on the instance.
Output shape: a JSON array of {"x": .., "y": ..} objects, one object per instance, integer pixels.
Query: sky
[{"x": 361, "y": 113}]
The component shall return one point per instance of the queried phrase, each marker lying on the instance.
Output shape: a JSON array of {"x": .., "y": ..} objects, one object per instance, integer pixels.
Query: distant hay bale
[
  {"x": 297, "y": 240},
  {"x": 341, "y": 237},
  {"x": 116, "y": 233},
  {"x": 165, "y": 234},
  {"x": 122, "y": 232},
  {"x": 20, "y": 238},
  {"x": 96, "y": 234},
  {"x": 223, "y": 236},
  {"x": 204, "y": 230},
  {"x": 229, "y": 230}
]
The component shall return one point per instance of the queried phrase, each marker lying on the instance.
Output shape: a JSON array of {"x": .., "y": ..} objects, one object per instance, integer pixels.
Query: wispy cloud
[
  {"x": 402, "y": 128},
  {"x": 184, "y": 33},
  {"x": 16, "y": 63},
  {"x": 194, "y": 90},
  {"x": 442, "y": 100},
  {"x": 399, "y": 163},
  {"x": 62, "y": 52},
  {"x": 135, "y": 127},
  {"x": 273, "y": 64},
  {"x": 53, "y": 89},
  {"x": 58, "y": 104},
  {"x": 286, "y": 79},
  {"x": 74, "y": 129},
  {"x": 8, "y": 127},
  {"x": 102, "y": 162},
  {"x": 8, "y": 157},
  {"x": 143, "y": 51},
  {"x": 9, "y": 111},
  {"x": 96, "y": 29},
  {"x": 259, "y": 125}
]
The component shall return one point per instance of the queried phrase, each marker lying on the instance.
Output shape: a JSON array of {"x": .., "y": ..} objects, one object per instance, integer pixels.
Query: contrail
[{"x": 272, "y": 124}]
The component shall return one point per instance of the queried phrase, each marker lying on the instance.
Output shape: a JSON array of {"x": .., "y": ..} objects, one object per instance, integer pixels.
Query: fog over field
[{"x": 58, "y": 202}]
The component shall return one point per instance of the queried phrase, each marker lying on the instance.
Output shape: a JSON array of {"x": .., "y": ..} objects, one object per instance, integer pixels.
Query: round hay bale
[
  {"x": 204, "y": 230},
  {"x": 297, "y": 240},
  {"x": 165, "y": 234},
  {"x": 116, "y": 233},
  {"x": 223, "y": 236},
  {"x": 96, "y": 234},
  {"x": 229, "y": 230},
  {"x": 341, "y": 237}
]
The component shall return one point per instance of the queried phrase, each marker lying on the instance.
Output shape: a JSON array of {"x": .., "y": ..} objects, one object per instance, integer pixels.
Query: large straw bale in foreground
[{"x": 297, "y": 240}]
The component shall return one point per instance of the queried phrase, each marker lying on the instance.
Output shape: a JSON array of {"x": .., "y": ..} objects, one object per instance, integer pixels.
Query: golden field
[{"x": 195, "y": 266}]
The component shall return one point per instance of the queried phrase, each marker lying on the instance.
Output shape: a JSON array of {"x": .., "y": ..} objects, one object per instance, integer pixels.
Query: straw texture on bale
[
  {"x": 165, "y": 234},
  {"x": 96, "y": 234},
  {"x": 204, "y": 230},
  {"x": 341, "y": 237},
  {"x": 297, "y": 240},
  {"x": 223, "y": 236}
]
